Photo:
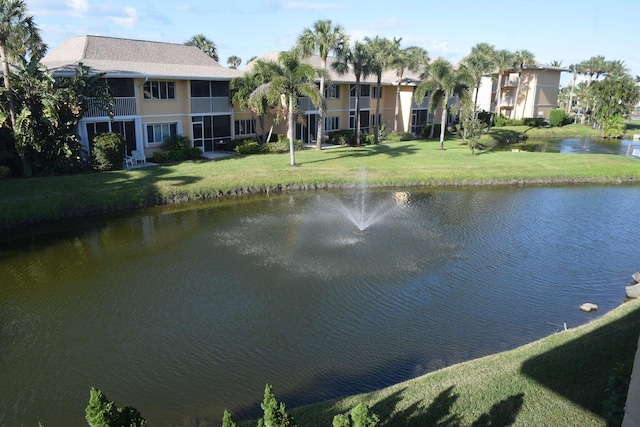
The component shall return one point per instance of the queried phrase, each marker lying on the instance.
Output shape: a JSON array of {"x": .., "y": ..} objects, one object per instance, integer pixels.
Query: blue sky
[{"x": 571, "y": 31}]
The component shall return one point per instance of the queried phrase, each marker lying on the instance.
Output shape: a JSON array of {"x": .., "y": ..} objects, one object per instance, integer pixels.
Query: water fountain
[{"x": 362, "y": 212}]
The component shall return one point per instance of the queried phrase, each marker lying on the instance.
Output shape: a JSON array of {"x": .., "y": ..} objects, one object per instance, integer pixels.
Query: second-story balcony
[
  {"x": 203, "y": 105},
  {"x": 122, "y": 106},
  {"x": 305, "y": 104},
  {"x": 511, "y": 82}
]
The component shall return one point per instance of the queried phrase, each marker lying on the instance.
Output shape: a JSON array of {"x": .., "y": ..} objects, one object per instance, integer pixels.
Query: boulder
[
  {"x": 633, "y": 291},
  {"x": 636, "y": 277},
  {"x": 587, "y": 306}
]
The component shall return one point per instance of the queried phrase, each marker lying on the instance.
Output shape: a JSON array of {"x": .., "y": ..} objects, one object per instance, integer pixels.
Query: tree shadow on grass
[
  {"x": 365, "y": 151},
  {"x": 579, "y": 370},
  {"x": 439, "y": 412}
]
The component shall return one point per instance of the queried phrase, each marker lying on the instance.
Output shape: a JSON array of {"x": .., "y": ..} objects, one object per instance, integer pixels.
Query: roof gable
[{"x": 130, "y": 58}]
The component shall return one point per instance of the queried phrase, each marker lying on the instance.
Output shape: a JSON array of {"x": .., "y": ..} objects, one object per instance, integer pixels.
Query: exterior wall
[
  {"x": 533, "y": 94},
  {"x": 404, "y": 112}
]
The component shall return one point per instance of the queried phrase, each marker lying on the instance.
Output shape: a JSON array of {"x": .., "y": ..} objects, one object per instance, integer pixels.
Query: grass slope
[{"x": 560, "y": 380}]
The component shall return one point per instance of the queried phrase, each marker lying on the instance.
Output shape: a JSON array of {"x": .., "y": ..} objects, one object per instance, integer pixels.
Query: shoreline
[{"x": 245, "y": 191}]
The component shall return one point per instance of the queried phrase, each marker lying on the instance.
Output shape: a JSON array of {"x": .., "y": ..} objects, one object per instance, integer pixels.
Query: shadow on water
[{"x": 594, "y": 356}]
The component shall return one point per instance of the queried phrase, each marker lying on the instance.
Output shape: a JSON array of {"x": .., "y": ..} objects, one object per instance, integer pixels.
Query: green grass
[
  {"x": 410, "y": 163},
  {"x": 560, "y": 380}
]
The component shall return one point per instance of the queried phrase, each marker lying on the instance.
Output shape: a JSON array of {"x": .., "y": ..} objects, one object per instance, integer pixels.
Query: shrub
[
  {"x": 533, "y": 121},
  {"x": 249, "y": 147},
  {"x": 557, "y": 117},
  {"x": 176, "y": 148},
  {"x": 108, "y": 151},
  {"x": 368, "y": 139},
  {"x": 342, "y": 137},
  {"x": 5, "y": 172},
  {"x": 399, "y": 136}
]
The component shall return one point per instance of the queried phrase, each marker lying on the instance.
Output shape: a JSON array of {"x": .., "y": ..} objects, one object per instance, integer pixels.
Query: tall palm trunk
[
  {"x": 443, "y": 122},
  {"x": 397, "y": 109},
  {"x": 290, "y": 132},
  {"x": 321, "y": 109},
  {"x": 377, "y": 126},
  {"x": 357, "y": 111},
  {"x": 573, "y": 84},
  {"x": 7, "y": 84}
]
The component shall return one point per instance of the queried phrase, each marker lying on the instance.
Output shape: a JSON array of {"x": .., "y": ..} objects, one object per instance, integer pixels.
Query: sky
[{"x": 560, "y": 30}]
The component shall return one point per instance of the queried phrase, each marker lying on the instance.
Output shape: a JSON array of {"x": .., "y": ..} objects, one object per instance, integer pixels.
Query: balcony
[
  {"x": 511, "y": 82},
  {"x": 122, "y": 106},
  {"x": 305, "y": 104},
  {"x": 210, "y": 105}
]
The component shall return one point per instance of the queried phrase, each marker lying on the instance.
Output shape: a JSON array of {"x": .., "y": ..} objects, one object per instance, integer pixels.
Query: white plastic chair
[
  {"x": 129, "y": 161},
  {"x": 138, "y": 156}
]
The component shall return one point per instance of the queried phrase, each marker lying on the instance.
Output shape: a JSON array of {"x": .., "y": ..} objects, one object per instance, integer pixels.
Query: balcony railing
[
  {"x": 210, "y": 105},
  {"x": 121, "y": 107},
  {"x": 305, "y": 104}
]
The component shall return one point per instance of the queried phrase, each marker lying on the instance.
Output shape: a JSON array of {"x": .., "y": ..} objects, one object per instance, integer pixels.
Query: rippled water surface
[{"x": 182, "y": 312}]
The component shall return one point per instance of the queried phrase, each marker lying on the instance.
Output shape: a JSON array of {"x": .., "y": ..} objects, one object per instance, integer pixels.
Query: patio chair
[
  {"x": 138, "y": 156},
  {"x": 129, "y": 161}
]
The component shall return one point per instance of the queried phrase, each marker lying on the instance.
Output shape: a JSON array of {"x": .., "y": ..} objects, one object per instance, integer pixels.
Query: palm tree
[
  {"x": 251, "y": 93},
  {"x": 504, "y": 60},
  {"x": 383, "y": 56},
  {"x": 443, "y": 82},
  {"x": 575, "y": 70},
  {"x": 524, "y": 59},
  {"x": 204, "y": 44},
  {"x": 479, "y": 63},
  {"x": 19, "y": 35},
  {"x": 556, "y": 63},
  {"x": 358, "y": 60},
  {"x": 412, "y": 58},
  {"x": 323, "y": 38},
  {"x": 234, "y": 61},
  {"x": 292, "y": 78}
]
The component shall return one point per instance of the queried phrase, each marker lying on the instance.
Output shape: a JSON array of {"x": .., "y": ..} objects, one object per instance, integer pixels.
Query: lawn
[
  {"x": 408, "y": 163},
  {"x": 560, "y": 380}
]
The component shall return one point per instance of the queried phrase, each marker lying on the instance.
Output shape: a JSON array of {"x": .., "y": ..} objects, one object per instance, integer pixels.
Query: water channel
[{"x": 183, "y": 311}]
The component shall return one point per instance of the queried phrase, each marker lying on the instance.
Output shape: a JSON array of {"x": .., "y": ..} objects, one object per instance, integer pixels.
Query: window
[
  {"x": 376, "y": 92},
  {"x": 245, "y": 127},
  {"x": 209, "y": 89},
  {"x": 155, "y": 89},
  {"x": 158, "y": 132},
  {"x": 121, "y": 88},
  {"x": 332, "y": 92},
  {"x": 375, "y": 119},
  {"x": 365, "y": 91},
  {"x": 419, "y": 119},
  {"x": 331, "y": 123}
]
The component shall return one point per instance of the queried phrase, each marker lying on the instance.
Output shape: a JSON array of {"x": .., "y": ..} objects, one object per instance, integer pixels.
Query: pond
[
  {"x": 183, "y": 311},
  {"x": 578, "y": 145}
]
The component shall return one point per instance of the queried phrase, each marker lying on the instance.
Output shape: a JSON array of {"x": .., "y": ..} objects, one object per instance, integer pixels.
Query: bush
[
  {"x": 5, "y": 172},
  {"x": 368, "y": 139},
  {"x": 557, "y": 117},
  {"x": 108, "y": 151},
  {"x": 342, "y": 137},
  {"x": 533, "y": 121},
  {"x": 176, "y": 148},
  {"x": 248, "y": 147},
  {"x": 399, "y": 136}
]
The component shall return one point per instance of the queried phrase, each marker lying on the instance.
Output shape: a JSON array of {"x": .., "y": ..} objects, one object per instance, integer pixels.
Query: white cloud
[
  {"x": 311, "y": 6},
  {"x": 128, "y": 18},
  {"x": 78, "y": 8}
]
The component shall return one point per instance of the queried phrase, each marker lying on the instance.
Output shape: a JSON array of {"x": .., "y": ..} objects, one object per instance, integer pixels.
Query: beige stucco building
[{"x": 163, "y": 89}]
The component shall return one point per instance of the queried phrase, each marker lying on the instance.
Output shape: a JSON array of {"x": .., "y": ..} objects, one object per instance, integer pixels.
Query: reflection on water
[
  {"x": 186, "y": 311},
  {"x": 581, "y": 145}
]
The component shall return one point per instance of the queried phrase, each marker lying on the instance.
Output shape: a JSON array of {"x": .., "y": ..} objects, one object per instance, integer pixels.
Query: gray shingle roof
[
  {"x": 135, "y": 58},
  {"x": 388, "y": 77}
]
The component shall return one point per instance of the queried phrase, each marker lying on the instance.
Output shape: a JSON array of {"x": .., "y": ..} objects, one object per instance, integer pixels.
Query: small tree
[
  {"x": 360, "y": 416},
  {"x": 227, "y": 420},
  {"x": 108, "y": 151},
  {"x": 275, "y": 414},
  {"x": 101, "y": 412},
  {"x": 470, "y": 128}
]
